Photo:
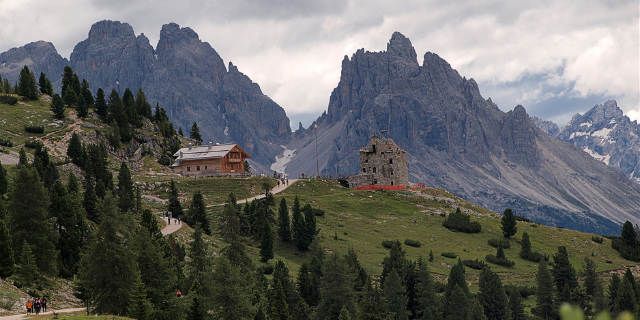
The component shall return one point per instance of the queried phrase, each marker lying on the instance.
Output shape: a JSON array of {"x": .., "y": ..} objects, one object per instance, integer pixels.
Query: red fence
[{"x": 374, "y": 187}]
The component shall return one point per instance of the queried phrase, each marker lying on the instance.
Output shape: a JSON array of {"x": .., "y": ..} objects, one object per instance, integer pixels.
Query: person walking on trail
[
  {"x": 29, "y": 306},
  {"x": 43, "y": 302},
  {"x": 37, "y": 306}
]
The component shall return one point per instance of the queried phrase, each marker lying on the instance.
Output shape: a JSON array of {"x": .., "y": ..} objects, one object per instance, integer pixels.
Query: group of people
[{"x": 36, "y": 305}]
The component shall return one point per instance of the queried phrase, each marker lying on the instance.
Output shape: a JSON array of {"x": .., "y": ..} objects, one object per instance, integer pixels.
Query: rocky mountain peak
[
  {"x": 109, "y": 29},
  {"x": 401, "y": 46},
  {"x": 519, "y": 137},
  {"x": 173, "y": 31},
  {"x": 604, "y": 112},
  {"x": 39, "y": 56}
]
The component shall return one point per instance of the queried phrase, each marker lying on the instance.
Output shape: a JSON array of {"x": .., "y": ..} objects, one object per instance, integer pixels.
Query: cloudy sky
[{"x": 554, "y": 57}]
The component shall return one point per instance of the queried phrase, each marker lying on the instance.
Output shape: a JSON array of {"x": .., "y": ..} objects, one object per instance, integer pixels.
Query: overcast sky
[{"x": 554, "y": 57}]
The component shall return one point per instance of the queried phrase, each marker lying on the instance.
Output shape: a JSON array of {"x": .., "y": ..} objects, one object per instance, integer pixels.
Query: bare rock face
[
  {"x": 548, "y": 127},
  {"x": 183, "y": 74},
  {"x": 606, "y": 134},
  {"x": 457, "y": 140},
  {"x": 39, "y": 56}
]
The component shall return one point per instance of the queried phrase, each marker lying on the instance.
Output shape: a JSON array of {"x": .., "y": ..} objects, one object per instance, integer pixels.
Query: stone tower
[{"x": 382, "y": 162}]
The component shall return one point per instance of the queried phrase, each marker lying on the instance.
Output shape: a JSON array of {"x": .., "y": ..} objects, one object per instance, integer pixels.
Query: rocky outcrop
[
  {"x": 39, "y": 56},
  {"x": 183, "y": 74},
  {"x": 548, "y": 127},
  {"x": 606, "y": 134},
  {"x": 457, "y": 140}
]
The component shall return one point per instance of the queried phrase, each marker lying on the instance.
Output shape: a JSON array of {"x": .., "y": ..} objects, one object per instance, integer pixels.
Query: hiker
[
  {"x": 37, "y": 306},
  {"x": 169, "y": 220},
  {"x": 29, "y": 306},
  {"x": 178, "y": 293},
  {"x": 43, "y": 302}
]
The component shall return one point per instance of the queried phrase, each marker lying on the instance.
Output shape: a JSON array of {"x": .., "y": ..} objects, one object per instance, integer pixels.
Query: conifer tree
[
  {"x": 358, "y": 273},
  {"x": 395, "y": 260},
  {"x": 196, "y": 311},
  {"x": 69, "y": 223},
  {"x": 57, "y": 107},
  {"x": 108, "y": 271},
  {"x": 199, "y": 266},
  {"x": 23, "y": 161},
  {"x": 174, "y": 206},
  {"x": 118, "y": 113},
  {"x": 305, "y": 286},
  {"x": 197, "y": 215},
  {"x": 628, "y": 235},
  {"x": 139, "y": 305},
  {"x": 129, "y": 105},
  {"x": 231, "y": 300},
  {"x": 195, "y": 133},
  {"x": 625, "y": 299},
  {"x": 592, "y": 286},
  {"x": 395, "y": 297},
  {"x": 68, "y": 92},
  {"x": 156, "y": 274},
  {"x": 4, "y": 184},
  {"x": 336, "y": 290},
  {"x": 29, "y": 218},
  {"x": 90, "y": 199},
  {"x": 75, "y": 152},
  {"x": 614, "y": 285},
  {"x": 86, "y": 94},
  {"x": 83, "y": 107},
  {"x": 344, "y": 314},
  {"x": 7, "y": 262},
  {"x": 266, "y": 244},
  {"x": 27, "y": 84},
  {"x": 101, "y": 104},
  {"x": 46, "y": 168},
  {"x": 456, "y": 295},
  {"x": 428, "y": 303},
  {"x": 508, "y": 223},
  {"x": 564, "y": 275},
  {"x": 628, "y": 277},
  {"x": 126, "y": 196},
  {"x": 279, "y": 293},
  {"x": 515, "y": 305},
  {"x": 492, "y": 296},
  {"x": 545, "y": 307},
  {"x": 525, "y": 245},
  {"x": 27, "y": 272},
  {"x": 230, "y": 222},
  {"x": 310, "y": 229},
  {"x": 45, "y": 84},
  {"x": 284, "y": 225},
  {"x": 143, "y": 108},
  {"x": 299, "y": 228},
  {"x": 371, "y": 305}
]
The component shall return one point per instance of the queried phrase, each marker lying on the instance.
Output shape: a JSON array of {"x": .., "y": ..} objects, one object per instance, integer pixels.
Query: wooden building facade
[{"x": 210, "y": 160}]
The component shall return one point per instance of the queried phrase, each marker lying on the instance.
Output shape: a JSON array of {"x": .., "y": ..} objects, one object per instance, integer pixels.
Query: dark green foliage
[
  {"x": 70, "y": 86},
  {"x": 627, "y": 244},
  {"x": 310, "y": 230},
  {"x": 197, "y": 215},
  {"x": 139, "y": 305},
  {"x": 371, "y": 305},
  {"x": 34, "y": 129},
  {"x": 83, "y": 107},
  {"x": 75, "y": 151},
  {"x": 29, "y": 218},
  {"x": 128, "y": 103},
  {"x": 500, "y": 259},
  {"x": 492, "y": 296},
  {"x": 284, "y": 224},
  {"x": 284, "y": 301},
  {"x": 10, "y": 100},
  {"x": 564, "y": 275},
  {"x": 108, "y": 271},
  {"x": 98, "y": 167},
  {"x": 231, "y": 295},
  {"x": 358, "y": 273},
  {"x": 628, "y": 234},
  {"x": 6, "y": 252},
  {"x": 23, "y": 161},
  {"x": 69, "y": 223},
  {"x": 625, "y": 299},
  {"x": 46, "y": 168},
  {"x": 545, "y": 308},
  {"x": 516, "y": 308},
  {"x": 101, "y": 104},
  {"x": 195, "y": 133},
  {"x": 90, "y": 199},
  {"x": 592, "y": 286},
  {"x": 412, "y": 243},
  {"x": 118, "y": 114},
  {"x": 428, "y": 303},
  {"x": 396, "y": 260},
  {"x": 230, "y": 222},
  {"x": 298, "y": 227},
  {"x": 597, "y": 239},
  {"x": 174, "y": 206},
  {"x": 614, "y": 285},
  {"x": 143, "y": 108},
  {"x": 456, "y": 295},
  {"x": 527, "y": 253},
  {"x": 508, "y": 223},
  {"x": 4, "y": 142},
  {"x": 27, "y": 84},
  {"x": 459, "y": 221},
  {"x": 502, "y": 242},
  {"x": 266, "y": 244},
  {"x": 474, "y": 264},
  {"x": 45, "y": 84},
  {"x": 85, "y": 93},
  {"x": 196, "y": 310},
  {"x": 4, "y": 184},
  {"x": 395, "y": 297},
  {"x": 126, "y": 195},
  {"x": 27, "y": 274},
  {"x": 336, "y": 289},
  {"x": 450, "y": 255}
]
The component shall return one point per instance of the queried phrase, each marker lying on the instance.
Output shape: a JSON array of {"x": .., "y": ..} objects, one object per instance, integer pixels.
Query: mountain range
[{"x": 454, "y": 138}]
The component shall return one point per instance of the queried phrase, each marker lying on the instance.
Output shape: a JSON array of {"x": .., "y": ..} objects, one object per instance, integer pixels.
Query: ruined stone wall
[{"x": 381, "y": 162}]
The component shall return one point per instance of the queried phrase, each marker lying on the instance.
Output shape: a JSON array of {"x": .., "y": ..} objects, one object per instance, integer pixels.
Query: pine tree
[
  {"x": 564, "y": 275},
  {"x": 197, "y": 215},
  {"x": 628, "y": 235},
  {"x": 310, "y": 229},
  {"x": 27, "y": 84},
  {"x": 174, "y": 206},
  {"x": 118, "y": 113},
  {"x": 101, "y": 104},
  {"x": 284, "y": 225},
  {"x": 68, "y": 94},
  {"x": 545, "y": 308},
  {"x": 57, "y": 107},
  {"x": 29, "y": 218},
  {"x": 371, "y": 306},
  {"x": 230, "y": 300},
  {"x": 46, "y": 168},
  {"x": 27, "y": 272},
  {"x": 492, "y": 296},
  {"x": 515, "y": 305},
  {"x": 625, "y": 299},
  {"x": 69, "y": 223},
  {"x": 299, "y": 228},
  {"x": 139, "y": 306},
  {"x": 395, "y": 297},
  {"x": 90, "y": 199},
  {"x": 266, "y": 244},
  {"x": 614, "y": 285},
  {"x": 628, "y": 277},
  {"x": 108, "y": 271},
  {"x": 525, "y": 244},
  {"x": 129, "y": 105},
  {"x": 336, "y": 289},
  {"x": 4, "y": 184},
  {"x": 457, "y": 305},
  {"x": 395, "y": 260},
  {"x": 23, "y": 161},
  {"x": 428, "y": 303},
  {"x": 344, "y": 314},
  {"x": 75, "y": 152},
  {"x": 126, "y": 196},
  {"x": 305, "y": 285},
  {"x": 509, "y": 223},
  {"x": 143, "y": 108},
  {"x": 230, "y": 222},
  {"x": 86, "y": 94},
  {"x": 6, "y": 252},
  {"x": 195, "y": 310},
  {"x": 83, "y": 107},
  {"x": 592, "y": 286},
  {"x": 45, "y": 84},
  {"x": 195, "y": 133},
  {"x": 156, "y": 274}
]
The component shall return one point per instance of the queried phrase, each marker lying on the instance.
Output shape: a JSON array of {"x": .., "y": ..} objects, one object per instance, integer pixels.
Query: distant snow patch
[
  {"x": 602, "y": 133},
  {"x": 586, "y": 124},
  {"x": 280, "y": 165},
  {"x": 578, "y": 134},
  {"x": 603, "y": 158}
]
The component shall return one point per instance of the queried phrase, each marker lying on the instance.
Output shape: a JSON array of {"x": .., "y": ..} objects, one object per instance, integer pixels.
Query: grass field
[
  {"x": 14, "y": 118},
  {"x": 79, "y": 316}
]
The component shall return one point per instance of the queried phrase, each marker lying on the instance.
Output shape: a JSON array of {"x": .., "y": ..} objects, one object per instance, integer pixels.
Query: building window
[
  {"x": 374, "y": 169},
  {"x": 205, "y": 167},
  {"x": 366, "y": 160},
  {"x": 198, "y": 168},
  {"x": 189, "y": 169},
  {"x": 390, "y": 161},
  {"x": 364, "y": 170}
]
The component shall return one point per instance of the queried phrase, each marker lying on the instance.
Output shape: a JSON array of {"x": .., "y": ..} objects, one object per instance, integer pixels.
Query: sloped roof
[{"x": 205, "y": 152}]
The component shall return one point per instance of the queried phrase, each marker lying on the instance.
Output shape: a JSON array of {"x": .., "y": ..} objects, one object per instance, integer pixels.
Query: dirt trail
[{"x": 24, "y": 316}]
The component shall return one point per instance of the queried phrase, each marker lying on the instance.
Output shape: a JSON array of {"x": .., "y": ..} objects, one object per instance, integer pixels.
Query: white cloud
[{"x": 520, "y": 53}]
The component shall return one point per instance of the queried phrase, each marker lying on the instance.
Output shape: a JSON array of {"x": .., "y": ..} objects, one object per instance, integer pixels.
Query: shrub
[
  {"x": 6, "y": 142},
  {"x": 459, "y": 221},
  {"x": 534, "y": 256},
  {"x": 449, "y": 255},
  {"x": 475, "y": 264},
  {"x": 597, "y": 239},
  {"x": 11, "y": 100},
  {"x": 504, "y": 243},
  {"x": 413, "y": 243},
  {"x": 34, "y": 129},
  {"x": 387, "y": 244},
  {"x": 524, "y": 291},
  {"x": 33, "y": 144},
  {"x": 629, "y": 252},
  {"x": 500, "y": 261},
  {"x": 266, "y": 269}
]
